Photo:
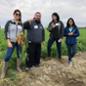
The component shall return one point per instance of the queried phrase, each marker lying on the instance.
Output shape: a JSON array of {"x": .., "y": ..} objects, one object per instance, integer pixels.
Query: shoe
[
  {"x": 18, "y": 65},
  {"x": 70, "y": 63},
  {"x": 4, "y": 69}
]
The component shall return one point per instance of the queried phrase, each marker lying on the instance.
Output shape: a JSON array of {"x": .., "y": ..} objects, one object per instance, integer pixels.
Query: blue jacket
[{"x": 71, "y": 40}]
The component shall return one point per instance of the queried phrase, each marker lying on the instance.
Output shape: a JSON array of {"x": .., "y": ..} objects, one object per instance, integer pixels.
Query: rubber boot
[
  {"x": 4, "y": 69},
  {"x": 18, "y": 65}
]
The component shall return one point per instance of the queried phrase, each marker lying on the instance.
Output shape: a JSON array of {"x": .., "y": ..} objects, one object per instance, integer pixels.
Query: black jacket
[
  {"x": 35, "y": 31},
  {"x": 58, "y": 31}
]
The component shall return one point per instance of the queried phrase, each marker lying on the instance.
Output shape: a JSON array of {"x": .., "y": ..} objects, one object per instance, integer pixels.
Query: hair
[
  {"x": 38, "y": 13},
  {"x": 68, "y": 25},
  {"x": 57, "y": 16},
  {"x": 35, "y": 16},
  {"x": 17, "y": 10}
]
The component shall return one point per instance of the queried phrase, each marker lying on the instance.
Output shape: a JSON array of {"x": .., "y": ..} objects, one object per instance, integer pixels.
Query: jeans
[
  {"x": 10, "y": 51},
  {"x": 58, "y": 44},
  {"x": 71, "y": 51}
]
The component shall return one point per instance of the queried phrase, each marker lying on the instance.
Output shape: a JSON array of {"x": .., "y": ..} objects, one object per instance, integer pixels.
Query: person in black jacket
[
  {"x": 71, "y": 33},
  {"x": 35, "y": 36},
  {"x": 56, "y": 29}
]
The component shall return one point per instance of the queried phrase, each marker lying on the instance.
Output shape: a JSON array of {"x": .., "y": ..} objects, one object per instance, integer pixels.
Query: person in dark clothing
[
  {"x": 71, "y": 33},
  {"x": 35, "y": 36},
  {"x": 56, "y": 29}
]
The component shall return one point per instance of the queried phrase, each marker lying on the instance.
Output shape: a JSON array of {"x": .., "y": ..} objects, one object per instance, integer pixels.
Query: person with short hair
[{"x": 35, "y": 36}]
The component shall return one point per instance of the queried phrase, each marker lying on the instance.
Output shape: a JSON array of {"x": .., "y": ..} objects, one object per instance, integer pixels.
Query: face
[
  {"x": 54, "y": 18},
  {"x": 38, "y": 16},
  {"x": 17, "y": 16},
  {"x": 70, "y": 22}
]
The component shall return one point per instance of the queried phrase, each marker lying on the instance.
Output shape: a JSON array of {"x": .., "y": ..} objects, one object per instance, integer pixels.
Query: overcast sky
[{"x": 65, "y": 8}]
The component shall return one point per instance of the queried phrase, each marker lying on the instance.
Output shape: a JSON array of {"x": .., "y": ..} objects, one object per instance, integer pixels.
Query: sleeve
[
  {"x": 23, "y": 29},
  {"x": 26, "y": 25},
  {"x": 7, "y": 33},
  {"x": 76, "y": 33},
  {"x": 65, "y": 32},
  {"x": 62, "y": 30},
  {"x": 43, "y": 34},
  {"x": 49, "y": 27}
]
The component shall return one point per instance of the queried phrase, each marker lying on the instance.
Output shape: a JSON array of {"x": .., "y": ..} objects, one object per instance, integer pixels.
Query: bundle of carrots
[{"x": 20, "y": 38}]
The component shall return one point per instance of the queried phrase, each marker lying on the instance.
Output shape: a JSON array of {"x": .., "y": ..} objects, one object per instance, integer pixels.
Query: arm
[
  {"x": 43, "y": 34},
  {"x": 7, "y": 30},
  {"x": 66, "y": 32},
  {"x": 62, "y": 30},
  {"x": 76, "y": 33},
  {"x": 49, "y": 27},
  {"x": 26, "y": 25},
  {"x": 7, "y": 34}
]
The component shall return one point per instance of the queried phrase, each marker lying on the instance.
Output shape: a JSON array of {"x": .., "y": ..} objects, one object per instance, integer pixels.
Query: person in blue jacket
[{"x": 71, "y": 33}]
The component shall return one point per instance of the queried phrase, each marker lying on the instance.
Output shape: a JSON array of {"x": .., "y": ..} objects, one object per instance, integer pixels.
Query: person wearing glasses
[{"x": 13, "y": 28}]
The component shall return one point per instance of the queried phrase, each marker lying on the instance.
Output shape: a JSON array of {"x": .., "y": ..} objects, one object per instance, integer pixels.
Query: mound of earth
[{"x": 52, "y": 73}]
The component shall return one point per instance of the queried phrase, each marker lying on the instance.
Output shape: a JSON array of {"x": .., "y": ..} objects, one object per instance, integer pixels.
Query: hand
[
  {"x": 70, "y": 34},
  {"x": 53, "y": 25},
  {"x": 60, "y": 40},
  {"x": 9, "y": 44}
]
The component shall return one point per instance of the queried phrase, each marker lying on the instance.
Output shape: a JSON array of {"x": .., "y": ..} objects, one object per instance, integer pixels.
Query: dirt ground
[{"x": 52, "y": 73}]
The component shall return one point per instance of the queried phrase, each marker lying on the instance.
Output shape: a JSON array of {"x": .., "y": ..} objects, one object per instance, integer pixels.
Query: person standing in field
[
  {"x": 35, "y": 36},
  {"x": 13, "y": 29},
  {"x": 56, "y": 29},
  {"x": 71, "y": 33}
]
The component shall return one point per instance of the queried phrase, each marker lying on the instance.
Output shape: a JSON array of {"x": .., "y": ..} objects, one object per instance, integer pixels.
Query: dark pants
[
  {"x": 33, "y": 54},
  {"x": 10, "y": 51},
  {"x": 58, "y": 44},
  {"x": 71, "y": 51}
]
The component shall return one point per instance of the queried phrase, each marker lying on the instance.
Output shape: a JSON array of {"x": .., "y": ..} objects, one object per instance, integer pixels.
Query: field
[
  {"x": 81, "y": 44},
  {"x": 17, "y": 79}
]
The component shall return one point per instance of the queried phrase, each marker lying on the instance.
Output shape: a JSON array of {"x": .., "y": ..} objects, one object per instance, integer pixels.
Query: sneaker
[
  {"x": 27, "y": 69},
  {"x": 70, "y": 63}
]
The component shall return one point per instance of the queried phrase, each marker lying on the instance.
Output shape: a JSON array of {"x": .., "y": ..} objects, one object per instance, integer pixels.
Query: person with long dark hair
[
  {"x": 56, "y": 29},
  {"x": 13, "y": 29},
  {"x": 71, "y": 33}
]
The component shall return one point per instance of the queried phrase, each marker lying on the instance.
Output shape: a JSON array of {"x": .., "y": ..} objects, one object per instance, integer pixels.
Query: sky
[{"x": 65, "y": 8}]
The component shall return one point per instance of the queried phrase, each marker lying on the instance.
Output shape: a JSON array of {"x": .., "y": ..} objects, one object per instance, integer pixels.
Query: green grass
[
  {"x": 82, "y": 40},
  {"x": 81, "y": 45}
]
